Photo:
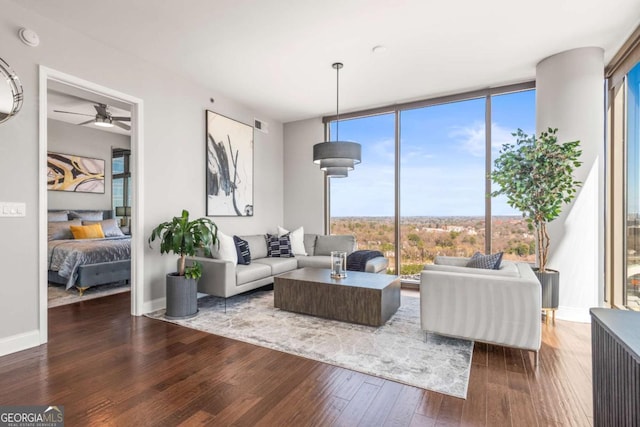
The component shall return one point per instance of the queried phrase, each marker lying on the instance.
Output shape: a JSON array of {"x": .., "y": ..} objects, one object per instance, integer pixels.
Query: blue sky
[{"x": 442, "y": 158}]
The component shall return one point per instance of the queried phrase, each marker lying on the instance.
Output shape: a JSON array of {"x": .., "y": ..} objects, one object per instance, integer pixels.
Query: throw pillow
[
  {"x": 225, "y": 249},
  {"x": 297, "y": 239},
  {"x": 242, "y": 248},
  {"x": 93, "y": 231},
  {"x": 109, "y": 227},
  {"x": 279, "y": 247},
  {"x": 489, "y": 262},
  {"x": 60, "y": 230}
]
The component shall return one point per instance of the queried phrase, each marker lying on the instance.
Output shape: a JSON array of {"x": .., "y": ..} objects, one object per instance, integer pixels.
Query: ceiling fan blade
[
  {"x": 71, "y": 112},
  {"x": 87, "y": 122},
  {"x": 101, "y": 109},
  {"x": 121, "y": 125},
  {"x": 122, "y": 119}
]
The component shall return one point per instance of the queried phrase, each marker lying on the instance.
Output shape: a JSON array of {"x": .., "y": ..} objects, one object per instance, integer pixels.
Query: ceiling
[
  {"x": 60, "y": 100},
  {"x": 275, "y": 55}
]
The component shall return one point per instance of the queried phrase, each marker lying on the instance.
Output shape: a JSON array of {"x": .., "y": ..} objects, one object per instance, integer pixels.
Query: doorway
[{"x": 52, "y": 78}]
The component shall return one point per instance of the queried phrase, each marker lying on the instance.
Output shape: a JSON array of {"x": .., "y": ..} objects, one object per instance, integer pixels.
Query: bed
[{"x": 87, "y": 262}]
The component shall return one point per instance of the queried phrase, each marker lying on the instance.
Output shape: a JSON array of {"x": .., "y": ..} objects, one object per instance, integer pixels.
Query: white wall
[
  {"x": 67, "y": 138},
  {"x": 174, "y": 157},
  {"x": 303, "y": 180},
  {"x": 570, "y": 97}
]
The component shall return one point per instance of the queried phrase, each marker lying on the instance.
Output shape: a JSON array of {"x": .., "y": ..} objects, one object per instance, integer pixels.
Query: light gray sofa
[
  {"x": 224, "y": 279},
  {"x": 494, "y": 306}
]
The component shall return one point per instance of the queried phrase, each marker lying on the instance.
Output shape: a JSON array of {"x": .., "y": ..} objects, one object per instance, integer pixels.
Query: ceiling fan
[{"x": 102, "y": 118}]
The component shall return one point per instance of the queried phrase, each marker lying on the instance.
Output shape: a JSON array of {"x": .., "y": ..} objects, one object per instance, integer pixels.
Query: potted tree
[
  {"x": 536, "y": 175},
  {"x": 183, "y": 238}
]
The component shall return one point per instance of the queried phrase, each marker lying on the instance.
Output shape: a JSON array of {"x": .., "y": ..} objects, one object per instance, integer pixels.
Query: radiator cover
[{"x": 615, "y": 345}]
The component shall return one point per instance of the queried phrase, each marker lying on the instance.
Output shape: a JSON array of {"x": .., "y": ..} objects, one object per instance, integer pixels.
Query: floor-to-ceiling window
[
  {"x": 622, "y": 230},
  {"x": 510, "y": 232},
  {"x": 441, "y": 152},
  {"x": 363, "y": 203},
  {"x": 121, "y": 185},
  {"x": 632, "y": 283},
  {"x": 442, "y": 183}
]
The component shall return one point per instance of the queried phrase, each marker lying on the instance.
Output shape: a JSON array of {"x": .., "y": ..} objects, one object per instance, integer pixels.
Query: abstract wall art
[
  {"x": 229, "y": 167},
  {"x": 67, "y": 172}
]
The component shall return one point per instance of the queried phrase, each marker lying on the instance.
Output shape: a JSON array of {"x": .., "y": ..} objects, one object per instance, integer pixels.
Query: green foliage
[
  {"x": 193, "y": 271},
  {"x": 408, "y": 269},
  {"x": 470, "y": 240},
  {"x": 536, "y": 175},
  {"x": 183, "y": 238},
  {"x": 414, "y": 238}
]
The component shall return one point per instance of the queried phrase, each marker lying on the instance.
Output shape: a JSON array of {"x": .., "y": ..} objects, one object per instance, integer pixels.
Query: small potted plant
[
  {"x": 536, "y": 175},
  {"x": 183, "y": 238}
]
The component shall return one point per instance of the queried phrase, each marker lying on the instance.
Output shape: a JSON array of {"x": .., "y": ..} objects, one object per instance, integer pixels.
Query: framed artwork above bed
[
  {"x": 68, "y": 172},
  {"x": 229, "y": 167}
]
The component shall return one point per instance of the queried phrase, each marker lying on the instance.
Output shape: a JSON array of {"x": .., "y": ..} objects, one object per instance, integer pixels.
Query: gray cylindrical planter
[
  {"x": 550, "y": 281},
  {"x": 182, "y": 297}
]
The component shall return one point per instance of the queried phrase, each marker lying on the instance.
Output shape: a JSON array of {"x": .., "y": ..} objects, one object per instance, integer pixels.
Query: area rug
[
  {"x": 396, "y": 351},
  {"x": 58, "y": 296}
]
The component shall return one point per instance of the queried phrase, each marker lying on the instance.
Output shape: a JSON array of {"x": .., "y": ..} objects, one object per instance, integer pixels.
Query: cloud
[{"x": 471, "y": 138}]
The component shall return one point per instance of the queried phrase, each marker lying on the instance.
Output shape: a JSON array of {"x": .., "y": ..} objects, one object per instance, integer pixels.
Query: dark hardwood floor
[{"x": 108, "y": 368}]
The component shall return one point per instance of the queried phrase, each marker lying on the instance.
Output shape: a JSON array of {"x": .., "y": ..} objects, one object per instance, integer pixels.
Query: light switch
[{"x": 12, "y": 209}]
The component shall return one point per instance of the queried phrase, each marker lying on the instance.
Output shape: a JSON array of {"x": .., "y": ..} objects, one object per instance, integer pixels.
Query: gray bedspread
[{"x": 65, "y": 256}]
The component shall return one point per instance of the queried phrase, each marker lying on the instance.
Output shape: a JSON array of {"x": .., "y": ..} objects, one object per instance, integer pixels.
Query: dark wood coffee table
[{"x": 364, "y": 298}]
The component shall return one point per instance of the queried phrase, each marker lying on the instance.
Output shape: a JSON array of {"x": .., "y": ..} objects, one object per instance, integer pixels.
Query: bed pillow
[
  {"x": 109, "y": 227},
  {"x": 297, "y": 239},
  {"x": 88, "y": 215},
  {"x": 60, "y": 230},
  {"x": 93, "y": 231},
  {"x": 58, "y": 216}
]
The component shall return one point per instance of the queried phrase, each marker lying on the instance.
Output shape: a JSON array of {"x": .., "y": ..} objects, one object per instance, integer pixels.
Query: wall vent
[{"x": 261, "y": 125}]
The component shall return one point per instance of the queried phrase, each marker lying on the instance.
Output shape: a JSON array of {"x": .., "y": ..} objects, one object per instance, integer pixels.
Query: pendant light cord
[{"x": 337, "y": 66}]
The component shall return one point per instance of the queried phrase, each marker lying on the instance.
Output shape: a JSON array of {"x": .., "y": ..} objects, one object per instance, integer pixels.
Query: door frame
[{"x": 137, "y": 166}]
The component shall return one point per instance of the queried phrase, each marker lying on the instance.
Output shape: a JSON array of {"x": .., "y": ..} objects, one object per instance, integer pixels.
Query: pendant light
[{"x": 337, "y": 157}]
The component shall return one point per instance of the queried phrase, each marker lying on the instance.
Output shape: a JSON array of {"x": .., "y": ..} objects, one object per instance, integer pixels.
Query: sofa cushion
[
  {"x": 279, "y": 247},
  {"x": 316, "y": 261},
  {"x": 242, "y": 249},
  {"x": 310, "y": 243},
  {"x": 507, "y": 268},
  {"x": 251, "y": 272},
  {"x": 257, "y": 245},
  {"x": 326, "y": 244},
  {"x": 488, "y": 262},
  {"x": 278, "y": 265}
]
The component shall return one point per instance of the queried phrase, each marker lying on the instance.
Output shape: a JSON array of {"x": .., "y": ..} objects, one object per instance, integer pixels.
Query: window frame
[{"x": 396, "y": 109}]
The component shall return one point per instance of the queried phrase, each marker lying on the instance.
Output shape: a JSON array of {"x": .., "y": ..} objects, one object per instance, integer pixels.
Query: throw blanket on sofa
[{"x": 357, "y": 261}]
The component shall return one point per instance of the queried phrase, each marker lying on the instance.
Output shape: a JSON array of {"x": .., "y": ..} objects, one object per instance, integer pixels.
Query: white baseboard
[
  {"x": 573, "y": 314},
  {"x": 19, "y": 342},
  {"x": 154, "y": 305}
]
